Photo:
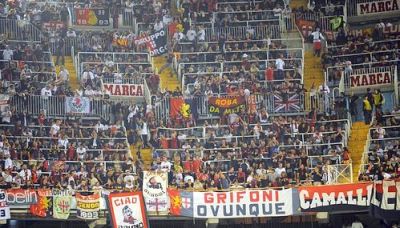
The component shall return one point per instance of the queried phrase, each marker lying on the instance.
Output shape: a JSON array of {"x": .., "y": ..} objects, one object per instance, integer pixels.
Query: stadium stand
[{"x": 243, "y": 95}]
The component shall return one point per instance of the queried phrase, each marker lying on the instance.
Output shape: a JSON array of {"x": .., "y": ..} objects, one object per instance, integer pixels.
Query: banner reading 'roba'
[{"x": 226, "y": 105}]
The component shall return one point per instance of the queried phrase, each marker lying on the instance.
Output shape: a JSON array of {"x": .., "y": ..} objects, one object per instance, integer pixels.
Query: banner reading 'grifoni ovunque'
[{"x": 226, "y": 105}]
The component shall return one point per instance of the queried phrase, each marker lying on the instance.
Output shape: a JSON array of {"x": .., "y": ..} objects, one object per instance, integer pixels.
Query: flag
[
  {"x": 61, "y": 206},
  {"x": 44, "y": 206},
  {"x": 179, "y": 107},
  {"x": 87, "y": 205},
  {"x": 77, "y": 105},
  {"x": 285, "y": 102},
  {"x": 181, "y": 202},
  {"x": 155, "y": 186},
  {"x": 127, "y": 209}
]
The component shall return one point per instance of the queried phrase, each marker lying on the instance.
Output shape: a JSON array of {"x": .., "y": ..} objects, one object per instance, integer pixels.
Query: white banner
[
  {"x": 4, "y": 208},
  {"x": 126, "y": 90},
  {"x": 240, "y": 204},
  {"x": 79, "y": 105},
  {"x": 127, "y": 210},
  {"x": 155, "y": 186},
  {"x": 377, "y": 7},
  {"x": 370, "y": 79}
]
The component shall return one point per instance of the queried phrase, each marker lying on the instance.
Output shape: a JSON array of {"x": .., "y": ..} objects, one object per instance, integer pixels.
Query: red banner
[
  {"x": 178, "y": 107},
  {"x": 335, "y": 197},
  {"x": 44, "y": 206},
  {"x": 128, "y": 209}
]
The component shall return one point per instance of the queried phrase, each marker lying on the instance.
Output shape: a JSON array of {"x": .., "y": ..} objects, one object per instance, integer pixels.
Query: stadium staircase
[
  {"x": 69, "y": 65},
  {"x": 168, "y": 79},
  {"x": 356, "y": 144},
  {"x": 295, "y": 4},
  {"x": 313, "y": 73},
  {"x": 146, "y": 155}
]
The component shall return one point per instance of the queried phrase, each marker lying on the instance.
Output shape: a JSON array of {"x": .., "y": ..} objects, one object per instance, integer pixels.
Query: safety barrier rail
[
  {"x": 115, "y": 57},
  {"x": 260, "y": 31},
  {"x": 55, "y": 106},
  {"x": 20, "y": 30}
]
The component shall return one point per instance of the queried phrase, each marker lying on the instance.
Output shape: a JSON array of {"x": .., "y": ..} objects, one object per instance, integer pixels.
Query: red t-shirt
[{"x": 269, "y": 74}]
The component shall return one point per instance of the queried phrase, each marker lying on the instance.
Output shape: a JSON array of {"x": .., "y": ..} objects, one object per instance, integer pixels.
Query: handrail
[
  {"x": 241, "y": 41},
  {"x": 365, "y": 53},
  {"x": 375, "y": 42},
  {"x": 240, "y": 51}
]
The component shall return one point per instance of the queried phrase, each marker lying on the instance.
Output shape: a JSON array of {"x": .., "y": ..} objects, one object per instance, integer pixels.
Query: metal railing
[
  {"x": 55, "y": 106},
  {"x": 20, "y": 30}
]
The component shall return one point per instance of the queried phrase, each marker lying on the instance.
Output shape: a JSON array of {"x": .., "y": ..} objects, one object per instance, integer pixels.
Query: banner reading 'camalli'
[
  {"x": 226, "y": 105},
  {"x": 335, "y": 197}
]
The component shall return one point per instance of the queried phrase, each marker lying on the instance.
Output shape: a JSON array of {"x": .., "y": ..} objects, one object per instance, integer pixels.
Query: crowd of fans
[
  {"x": 248, "y": 149},
  {"x": 355, "y": 51},
  {"x": 384, "y": 151}
]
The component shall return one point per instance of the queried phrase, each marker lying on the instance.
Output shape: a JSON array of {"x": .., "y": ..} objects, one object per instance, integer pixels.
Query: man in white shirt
[
  {"x": 46, "y": 91},
  {"x": 201, "y": 35},
  {"x": 81, "y": 151},
  {"x": 191, "y": 35},
  {"x": 158, "y": 25},
  {"x": 165, "y": 165},
  {"x": 6, "y": 116},
  {"x": 25, "y": 174},
  {"x": 280, "y": 64},
  {"x": 8, "y": 53},
  {"x": 8, "y": 163},
  {"x": 64, "y": 74},
  {"x": 317, "y": 36}
]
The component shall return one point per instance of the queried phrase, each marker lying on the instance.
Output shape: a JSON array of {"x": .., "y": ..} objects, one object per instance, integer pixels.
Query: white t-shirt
[
  {"x": 165, "y": 166},
  {"x": 64, "y": 75},
  {"x": 158, "y": 26},
  {"x": 6, "y": 116},
  {"x": 317, "y": 36},
  {"x": 202, "y": 35},
  {"x": 8, "y": 54},
  {"x": 279, "y": 171},
  {"x": 46, "y": 92},
  {"x": 279, "y": 63},
  {"x": 191, "y": 35},
  {"x": 81, "y": 151}
]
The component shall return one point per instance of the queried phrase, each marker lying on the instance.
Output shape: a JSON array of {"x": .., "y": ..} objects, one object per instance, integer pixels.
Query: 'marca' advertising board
[{"x": 378, "y": 7}]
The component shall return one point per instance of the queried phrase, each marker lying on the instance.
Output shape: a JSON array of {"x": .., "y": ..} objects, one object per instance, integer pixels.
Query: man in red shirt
[{"x": 269, "y": 76}]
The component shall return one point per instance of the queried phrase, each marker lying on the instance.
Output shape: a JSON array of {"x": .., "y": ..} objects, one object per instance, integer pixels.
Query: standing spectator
[
  {"x": 60, "y": 52},
  {"x": 280, "y": 64},
  {"x": 379, "y": 99},
  {"x": 6, "y": 116},
  {"x": 8, "y": 53},
  {"x": 317, "y": 36},
  {"x": 367, "y": 108},
  {"x": 64, "y": 75}
]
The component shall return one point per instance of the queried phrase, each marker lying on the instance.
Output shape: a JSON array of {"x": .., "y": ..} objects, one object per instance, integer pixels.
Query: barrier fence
[
  {"x": 305, "y": 102},
  {"x": 56, "y": 106},
  {"x": 19, "y": 30},
  {"x": 270, "y": 31}
]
